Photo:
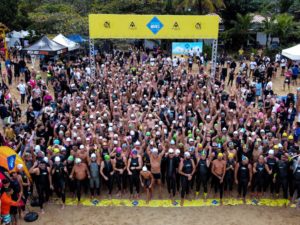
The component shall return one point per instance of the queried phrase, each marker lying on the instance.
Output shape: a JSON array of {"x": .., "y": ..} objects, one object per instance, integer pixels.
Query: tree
[
  {"x": 285, "y": 28},
  {"x": 241, "y": 29},
  {"x": 8, "y": 10},
  {"x": 58, "y": 18},
  {"x": 200, "y": 6}
]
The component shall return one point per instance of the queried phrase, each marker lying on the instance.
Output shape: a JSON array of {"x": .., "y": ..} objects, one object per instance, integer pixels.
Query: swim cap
[
  {"x": 56, "y": 150},
  {"x": 56, "y": 142},
  {"x": 145, "y": 168},
  {"x": 203, "y": 152},
  {"x": 290, "y": 137},
  {"x": 45, "y": 159},
  {"x": 275, "y": 146},
  {"x": 118, "y": 149},
  {"x": 271, "y": 152},
  {"x": 220, "y": 154},
  {"x": 154, "y": 150},
  {"x": 134, "y": 152},
  {"x": 172, "y": 142},
  {"x": 284, "y": 134},
  {"x": 148, "y": 133},
  {"x": 57, "y": 159},
  {"x": 20, "y": 166},
  {"x": 187, "y": 154},
  {"x": 78, "y": 160},
  {"x": 177, "y": 151},
  {"x": 93, "y": 155},
  {"x": 106, "y": 157},
  {"x": 171, "y": 151},
  {"x": 200, "y": 145},
  {"x": 71, "y": 158}
]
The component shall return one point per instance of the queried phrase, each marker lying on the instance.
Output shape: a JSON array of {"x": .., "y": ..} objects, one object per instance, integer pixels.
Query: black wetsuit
[
  {"x": 120, "y": 178},
  {"x": 202, "y": 175},
  {"x": 58, "y": 178},
  {"x": 134, "y": 179},
  {"x": 297, "y": 180},
  {"x": 25, "y": 188},
  {"x": 171, "y": 165},
  {"x": 229, "y": 176},
  {"x": 185, "y": 183},
  {"x": 282, "y": 177},
  {"x": 243, "y": 179},
  {"x": 271, "y": 162},
  {"x": 107, "y": 170},
  {"x": 15, "y": 186},
  {"x": 42, "y": 186},
  {"x": 259, "y": 178}
]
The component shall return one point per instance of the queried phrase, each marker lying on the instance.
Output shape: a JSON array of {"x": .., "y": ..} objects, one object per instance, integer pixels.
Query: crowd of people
[{"x": 145, "y": 121}]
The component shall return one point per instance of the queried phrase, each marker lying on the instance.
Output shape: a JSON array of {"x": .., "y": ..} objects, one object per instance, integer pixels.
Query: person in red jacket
[{"x": 6, "y": 203}]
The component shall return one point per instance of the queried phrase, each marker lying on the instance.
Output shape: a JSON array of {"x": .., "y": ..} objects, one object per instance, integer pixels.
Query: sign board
[
  {"x": 108, "y": 26},
  {"x": 187, "y": 48}
]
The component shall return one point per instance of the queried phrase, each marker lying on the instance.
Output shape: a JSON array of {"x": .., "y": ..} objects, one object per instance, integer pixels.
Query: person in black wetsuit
[
  {"x": 296, "y": 173},
  {"x": 259, "y": 175},
  {"x": 133, "y": 168},
  {"x": 16, "y": 186},
  {"x": 202, "y": 172},
  {"x": 147, "y": 181},
  {"x": 186, "y": 169},
  {"x": 171, "y": 165},
  {"x": 229, "y": 175},
  {"x": 119, "y": 166},
  {"x": 271, "y": 164},
  {"x": 58, "y": 175},
  {"x": 43, "y": 181},
  {"x": 107, "y": 172},
  {"x": 25, "y": 184},
  {"x": 243, "y": 176},
  {"x": 281, "y": 176}
]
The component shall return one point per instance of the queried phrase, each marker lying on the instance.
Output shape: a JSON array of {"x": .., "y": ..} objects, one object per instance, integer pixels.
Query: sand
[{"x": 233, "y": 215}]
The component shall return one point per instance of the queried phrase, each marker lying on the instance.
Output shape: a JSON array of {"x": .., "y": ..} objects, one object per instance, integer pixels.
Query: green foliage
[{"x": 58, "y": 18}]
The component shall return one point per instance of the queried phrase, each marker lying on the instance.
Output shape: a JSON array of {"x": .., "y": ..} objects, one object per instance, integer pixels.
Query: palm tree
[
  {"x": 200, "y": 6},
  {"x": 285, "y": 28},
  {"x": 241, "y": 28}
]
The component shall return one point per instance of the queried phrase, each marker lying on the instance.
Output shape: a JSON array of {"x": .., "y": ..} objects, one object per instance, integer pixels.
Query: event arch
[{"x": 117, "y": 26}]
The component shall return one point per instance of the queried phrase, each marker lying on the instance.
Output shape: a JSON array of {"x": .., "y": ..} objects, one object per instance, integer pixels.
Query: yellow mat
[{"x": 168, "y": 203}]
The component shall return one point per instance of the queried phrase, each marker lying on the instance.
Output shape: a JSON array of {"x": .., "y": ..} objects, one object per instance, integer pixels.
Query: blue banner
[{"x": 11, "y": 162}]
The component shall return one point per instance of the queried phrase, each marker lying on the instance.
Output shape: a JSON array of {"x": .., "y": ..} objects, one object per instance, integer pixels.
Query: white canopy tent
[
  {"x": 71, "y": 45},
  {"x": 292, "y": 53}
]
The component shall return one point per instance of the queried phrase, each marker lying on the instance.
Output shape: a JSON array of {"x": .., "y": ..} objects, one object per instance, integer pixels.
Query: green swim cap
[
  {"x": 197, "y": 138},
  {"x": 189, "y": 131},
  {"x": 190, "y": 136},
  {"x": 211, "y": 131},
  {"x": 106, "y": 157},
  {"x": 200, "y": 124},
  {"x": 148, "y": 133},
  {"x": 71, "y": 158},
  {"x": 174, "y": 136},
  {"x": 180, "y": 144},
  {"x": 197, "y": 130}
]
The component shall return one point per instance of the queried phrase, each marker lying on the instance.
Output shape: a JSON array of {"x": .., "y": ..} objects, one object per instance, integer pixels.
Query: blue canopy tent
[{"x": 76, "y": 38}]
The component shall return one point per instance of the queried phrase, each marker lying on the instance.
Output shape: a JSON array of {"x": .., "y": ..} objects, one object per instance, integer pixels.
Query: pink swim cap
[
  {"x": 118, "y": 149},
  {"x": 260, "y": 115}
]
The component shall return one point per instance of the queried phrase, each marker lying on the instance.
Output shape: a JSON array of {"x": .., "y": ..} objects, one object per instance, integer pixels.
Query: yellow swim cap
[
  {"x": 275, "y": 146},
  {"x": 291, "y": 137},
  {"x": 200, "y": 145},
  {"x": 220, "y": 154},
  {"x": 56, "y": 150},
  {"x": 284, "y": 134}
]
